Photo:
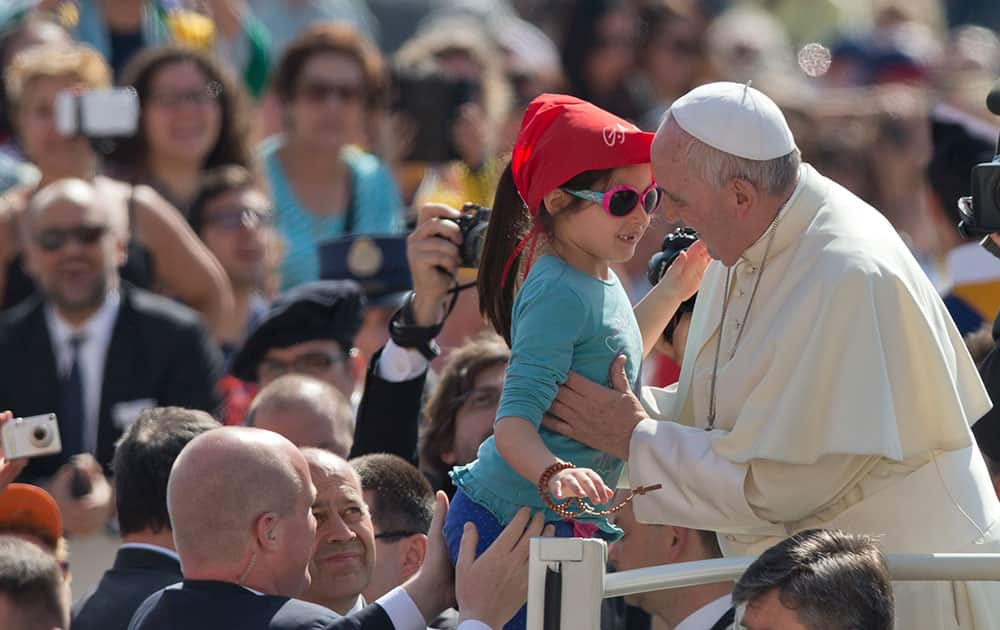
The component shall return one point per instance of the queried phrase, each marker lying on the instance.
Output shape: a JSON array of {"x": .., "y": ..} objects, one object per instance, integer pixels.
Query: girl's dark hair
[
  {"x": 233, "y": 144},
  {"x": 510, "y": 221}
]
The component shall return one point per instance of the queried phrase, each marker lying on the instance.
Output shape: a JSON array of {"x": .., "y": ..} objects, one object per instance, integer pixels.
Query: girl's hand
[
  {"x": 683, "y": 277},
  {"x": 580, "y": 482}
]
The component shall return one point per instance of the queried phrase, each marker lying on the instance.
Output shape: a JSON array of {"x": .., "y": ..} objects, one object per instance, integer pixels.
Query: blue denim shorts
[{"x": 464, "y": 510}]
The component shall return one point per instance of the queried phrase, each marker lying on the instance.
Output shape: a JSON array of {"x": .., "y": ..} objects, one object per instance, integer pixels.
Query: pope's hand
[{"x": 594, "y": 415}]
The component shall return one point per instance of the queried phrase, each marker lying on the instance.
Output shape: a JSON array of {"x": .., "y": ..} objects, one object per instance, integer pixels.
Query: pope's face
[{"x": 688, "y": 198}]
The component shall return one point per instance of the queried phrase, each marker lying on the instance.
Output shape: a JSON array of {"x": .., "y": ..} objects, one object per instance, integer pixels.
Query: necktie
[{"x": 71, "y": 417}]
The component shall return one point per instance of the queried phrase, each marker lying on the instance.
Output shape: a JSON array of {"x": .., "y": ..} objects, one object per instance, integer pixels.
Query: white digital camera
[
  {"x": 31, "y": 437},
  {"x": 107, "y": 113}
]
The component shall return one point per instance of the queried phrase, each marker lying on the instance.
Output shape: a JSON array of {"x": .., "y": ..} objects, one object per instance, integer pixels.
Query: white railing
[{"x": 577, "y": 581}]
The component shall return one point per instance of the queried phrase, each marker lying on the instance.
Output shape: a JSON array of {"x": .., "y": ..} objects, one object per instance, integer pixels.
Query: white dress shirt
[
  {"x": 93, "y": 353},
  {"x": 396, "y": 364},
  {"x": 706, "y": 616}
]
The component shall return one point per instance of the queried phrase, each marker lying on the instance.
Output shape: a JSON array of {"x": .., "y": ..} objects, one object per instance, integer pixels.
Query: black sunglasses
[
  {"x": 236, "y": 218},
  {"x": 52, "y": 239},
  {"x": 319, "y": 92}
]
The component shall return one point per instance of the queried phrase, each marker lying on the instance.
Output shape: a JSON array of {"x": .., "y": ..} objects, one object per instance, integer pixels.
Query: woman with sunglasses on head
[
  {"x": 163, "y": 252},
  {"x": 575, "y": 198},
  {"x": 331, "y": 83},
  {"x": 193, "y": 117}
]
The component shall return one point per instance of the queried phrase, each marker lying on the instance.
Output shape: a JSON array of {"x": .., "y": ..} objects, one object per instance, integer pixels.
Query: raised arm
[
  {"x": 681, "y": 281},
  {"x": 186, "y": 268}
]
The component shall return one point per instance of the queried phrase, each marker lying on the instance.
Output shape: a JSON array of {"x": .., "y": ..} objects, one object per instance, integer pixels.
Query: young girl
[{"x": 580, "y": 179}]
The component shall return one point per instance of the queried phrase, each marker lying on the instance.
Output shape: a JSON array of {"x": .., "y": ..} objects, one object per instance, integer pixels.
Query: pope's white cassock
[{"x": 846, "y": 404}]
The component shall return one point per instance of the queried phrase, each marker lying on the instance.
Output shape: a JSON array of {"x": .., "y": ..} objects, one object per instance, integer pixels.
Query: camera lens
[{"x": 40, "y": 436}]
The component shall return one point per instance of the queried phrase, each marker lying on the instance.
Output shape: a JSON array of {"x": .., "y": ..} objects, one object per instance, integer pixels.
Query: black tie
[{"x": 71, "y": 420}]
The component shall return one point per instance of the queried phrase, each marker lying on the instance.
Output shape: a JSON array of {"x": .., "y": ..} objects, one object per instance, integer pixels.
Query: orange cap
[{"x": 24, "y": 505}]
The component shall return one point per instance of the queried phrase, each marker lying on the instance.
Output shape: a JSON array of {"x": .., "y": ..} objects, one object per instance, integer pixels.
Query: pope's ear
[{"x": 744, "y": 196}]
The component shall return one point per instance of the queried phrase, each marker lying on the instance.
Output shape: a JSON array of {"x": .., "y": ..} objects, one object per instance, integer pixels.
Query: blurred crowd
[{"x": 245, "y": 248}]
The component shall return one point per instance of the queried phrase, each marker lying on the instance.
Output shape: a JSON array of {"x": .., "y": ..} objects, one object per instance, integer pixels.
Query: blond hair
[{"x": 45, "y": 61}]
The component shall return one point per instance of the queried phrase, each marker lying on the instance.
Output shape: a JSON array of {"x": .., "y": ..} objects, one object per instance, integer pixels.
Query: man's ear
[
  {"x": 744, "y": 195},
  {"x": 412, "y": 554},
  {"x": 267, "y": 531},
  {"x": 556, "y": 200},
  {"x": 449, "y": 457},
  {"x": 677, "y": 543}
]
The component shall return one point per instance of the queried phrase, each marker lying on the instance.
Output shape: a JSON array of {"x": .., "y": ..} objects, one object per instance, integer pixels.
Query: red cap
[{"x": 562, "y": 136}]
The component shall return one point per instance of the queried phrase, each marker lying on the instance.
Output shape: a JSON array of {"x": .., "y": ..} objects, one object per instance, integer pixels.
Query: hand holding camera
[
  {"x": 433, "y": 253},
  {"x": 12, "y": 467}
]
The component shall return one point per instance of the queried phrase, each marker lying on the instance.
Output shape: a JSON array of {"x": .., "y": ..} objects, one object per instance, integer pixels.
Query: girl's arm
[
  {"x": 681, "y": 281},
  {"x": 520, "y": 445}
]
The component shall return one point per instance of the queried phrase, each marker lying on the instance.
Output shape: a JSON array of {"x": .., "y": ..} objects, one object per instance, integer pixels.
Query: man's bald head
[
  {"x": 221, "y": 483},
  {"x": 70, "y": 190},
  {"x": 307, "y": 411}
]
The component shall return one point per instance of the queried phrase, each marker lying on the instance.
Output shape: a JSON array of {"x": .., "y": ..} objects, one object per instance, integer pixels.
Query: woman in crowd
[
  {"x": 193, "y": 118},
  {"x": 598, "y": 54},
  {"x": 331, "y": 85},
  {"x": 164, "y": 253}
]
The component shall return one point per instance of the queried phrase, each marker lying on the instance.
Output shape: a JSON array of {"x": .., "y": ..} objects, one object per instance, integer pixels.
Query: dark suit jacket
[
  {"x": 987, "y": 429},
  {"x": 206, "y": 605},
  {"x": 136, "y": 574},
  {"x": 159, "y": 351},
  {"x": 388, "y": 415},
  {"x": 724, "y": 621}
]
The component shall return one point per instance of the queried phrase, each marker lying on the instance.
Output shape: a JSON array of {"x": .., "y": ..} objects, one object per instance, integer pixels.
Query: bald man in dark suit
[{"x": 240, "y": 502}]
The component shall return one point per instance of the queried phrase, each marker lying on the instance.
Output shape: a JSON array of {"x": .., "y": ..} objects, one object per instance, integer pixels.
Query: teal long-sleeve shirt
[{"x": 563, "y": 320}]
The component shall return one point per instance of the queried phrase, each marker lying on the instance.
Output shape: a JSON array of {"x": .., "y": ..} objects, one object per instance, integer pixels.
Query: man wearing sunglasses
[
  {"x": 309, "y": 329},
  {"x": 93, "y": 349}
]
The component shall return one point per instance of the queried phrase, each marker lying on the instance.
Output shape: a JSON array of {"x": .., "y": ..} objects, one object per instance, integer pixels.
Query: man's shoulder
[
  {"x": 296, "y": 614},
  {"x": 20, "y": 315},
  {"x": 117, "y": 597},
  {"x": 159, "y": 310}
]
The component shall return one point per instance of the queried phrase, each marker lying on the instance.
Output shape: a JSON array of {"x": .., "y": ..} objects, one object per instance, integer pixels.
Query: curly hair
[{"x": 458, "y": 377}]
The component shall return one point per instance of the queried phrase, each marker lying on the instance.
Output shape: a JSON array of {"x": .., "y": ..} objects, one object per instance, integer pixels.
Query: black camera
[
  {"x": 432, "y": 102},
  {"x": 673, "y": 244},
  {"x": 472, "y": 223},
  {"x": 981, "y": 212}
]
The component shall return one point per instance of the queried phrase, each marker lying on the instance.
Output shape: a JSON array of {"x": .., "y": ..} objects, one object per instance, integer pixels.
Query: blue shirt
[
  {"x": 563, "y": 320},
  {"x": 375, "y": 204}
]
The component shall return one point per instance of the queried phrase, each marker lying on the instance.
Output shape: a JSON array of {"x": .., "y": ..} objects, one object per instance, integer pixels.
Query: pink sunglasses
[{"x": 621, "y": 200}]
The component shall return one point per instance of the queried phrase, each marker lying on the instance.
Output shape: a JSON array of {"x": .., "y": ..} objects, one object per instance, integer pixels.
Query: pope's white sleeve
[
  {"x": 700, "y": 489},
  {"x": 473, "y": 624},
  {"x": 703, "y": 490},
  {"x": 396, "y": 364}
]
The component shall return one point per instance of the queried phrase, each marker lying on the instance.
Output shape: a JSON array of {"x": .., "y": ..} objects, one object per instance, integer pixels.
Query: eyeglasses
[
  {"x": 209, "y": 94},
  {"x": 480, "y": 398},
  {"x": 320, "y": 92},
  {"x": 52, "y": 239},
  {"x": 233, "y": 219},
  {"x": 311, "y": 363},
  {"x": 621, "y": 200},
  {"x": 395, "y": 535}
]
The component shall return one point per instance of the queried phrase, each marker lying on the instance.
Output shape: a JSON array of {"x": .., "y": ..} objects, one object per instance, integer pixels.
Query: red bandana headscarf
[{"x": 560, "y": 137}]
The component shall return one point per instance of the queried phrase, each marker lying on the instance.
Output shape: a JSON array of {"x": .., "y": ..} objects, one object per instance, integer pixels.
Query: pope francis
[{"x": 824, "y": 383}]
